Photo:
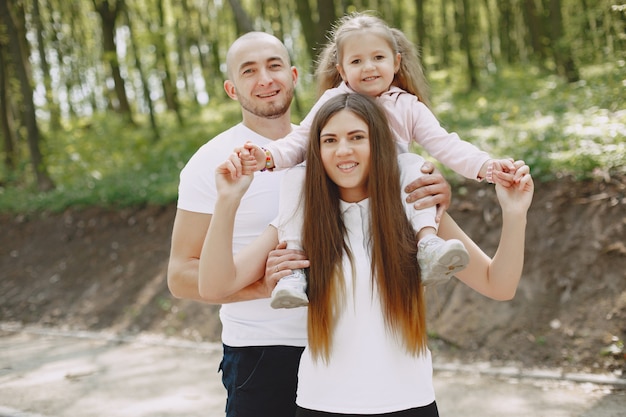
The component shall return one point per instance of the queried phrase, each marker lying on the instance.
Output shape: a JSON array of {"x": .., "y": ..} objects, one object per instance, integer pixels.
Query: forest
[{"x": 103, "y": 101}]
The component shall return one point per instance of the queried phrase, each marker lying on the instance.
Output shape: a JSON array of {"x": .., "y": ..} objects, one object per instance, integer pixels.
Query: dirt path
[{"x": 47, "y": 372}]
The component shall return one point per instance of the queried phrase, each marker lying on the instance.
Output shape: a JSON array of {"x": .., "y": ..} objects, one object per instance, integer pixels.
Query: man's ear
[
  {"x": 230, "y": 89},
  {"x": 294, "y": 75}
]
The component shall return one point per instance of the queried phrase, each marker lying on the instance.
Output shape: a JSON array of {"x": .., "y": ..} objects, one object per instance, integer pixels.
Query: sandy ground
[{"x": 46, "y": 373}]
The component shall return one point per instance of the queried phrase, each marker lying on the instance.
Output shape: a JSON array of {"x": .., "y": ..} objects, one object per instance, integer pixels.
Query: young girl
[
  {"x": 366, "y": 352},
  {"x": 368, "y": 57}
]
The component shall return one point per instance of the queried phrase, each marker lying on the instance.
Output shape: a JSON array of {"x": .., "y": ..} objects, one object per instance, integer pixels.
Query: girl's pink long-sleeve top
[{"x": 409, "y": 119}]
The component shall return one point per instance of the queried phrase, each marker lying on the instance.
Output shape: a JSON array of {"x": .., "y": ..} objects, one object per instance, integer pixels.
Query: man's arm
[
  {"x": 188, "y": 237},
  {"x": 182, "y": 273},
  {"x": 430, "y": 190}
]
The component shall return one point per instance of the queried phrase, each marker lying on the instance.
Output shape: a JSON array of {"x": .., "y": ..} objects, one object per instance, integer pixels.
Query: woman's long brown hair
[{"x": 395, "y": 271}]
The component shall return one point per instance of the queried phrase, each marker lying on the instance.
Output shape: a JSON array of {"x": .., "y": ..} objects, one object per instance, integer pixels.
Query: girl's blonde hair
[
  {"x": 395, "y": 271},
  {"x": 410, "y": 77}
]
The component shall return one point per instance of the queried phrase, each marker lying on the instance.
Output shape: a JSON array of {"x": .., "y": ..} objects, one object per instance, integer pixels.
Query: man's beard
[{"x": 268, "y": 111}]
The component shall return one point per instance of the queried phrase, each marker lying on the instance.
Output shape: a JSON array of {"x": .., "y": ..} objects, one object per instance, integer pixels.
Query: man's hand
[
  {"x": 430, "y": 190},
  {"x": 280, "y": 263}
]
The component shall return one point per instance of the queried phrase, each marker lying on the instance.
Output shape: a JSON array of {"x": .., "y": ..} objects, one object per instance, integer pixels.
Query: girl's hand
[
  {"x": 247, "y": 159},
  {"x": 504, "y": 172},
  {"x": 257, "y": 154}
]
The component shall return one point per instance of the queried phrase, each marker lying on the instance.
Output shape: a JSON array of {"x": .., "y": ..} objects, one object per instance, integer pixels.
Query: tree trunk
[
  {"x": 77, "y": 74},
  {"x": 142, "y": 76},
  {"x": 108, "y": 15},
  {"x": 328, "y": 16},
  {"x": 505, "y": 27},
  {"x": 168, "y": 82},
  {"x": 183, "y": 44},
  {"x": 534, "y": 27},
  {"x": 445, "y": 39},
  {"x": 490, "y": 34},
  {"x": 309, "y": 29},
  {"x": 560, "y": 48},
  {"x": 465, "y": 20},
  {"x": 53, "y": 107},
  {"x": 242, "y": 20},
  {"x": 420, "y": 23},
  {"x": 209, "y": 56},
  {"x": 44, "y": 182},
  {"x": 6, "y": 119}
]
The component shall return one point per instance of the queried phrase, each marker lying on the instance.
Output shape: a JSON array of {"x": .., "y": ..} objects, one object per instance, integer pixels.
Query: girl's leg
[
  {"x": 290, "y": 291},
  {"x": 439, "y": 259}
]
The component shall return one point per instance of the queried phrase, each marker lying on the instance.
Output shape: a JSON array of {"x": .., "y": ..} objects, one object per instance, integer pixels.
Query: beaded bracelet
[
  {"x": 489, "y": 174},
  {"x": 268, "y": 159}
]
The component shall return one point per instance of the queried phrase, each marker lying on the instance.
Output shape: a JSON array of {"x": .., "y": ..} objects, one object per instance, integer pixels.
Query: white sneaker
[
  {"x": 440, "y": 259},
  {"x": 290, "y": 291}
]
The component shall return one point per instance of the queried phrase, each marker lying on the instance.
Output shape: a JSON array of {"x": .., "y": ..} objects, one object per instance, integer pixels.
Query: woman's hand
[
  {"x": 518, "y": 197},
  {"x": 234, "y": 176}
]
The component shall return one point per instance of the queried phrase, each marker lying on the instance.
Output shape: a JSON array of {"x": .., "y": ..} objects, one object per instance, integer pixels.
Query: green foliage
[
  {"x": 103, "y": 161},
  {"x": 557, "y": 128}
]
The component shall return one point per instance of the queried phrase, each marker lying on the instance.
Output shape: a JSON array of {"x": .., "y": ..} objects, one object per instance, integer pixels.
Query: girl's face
[
  {"x": 345, "y": 153},
  {"x": 368, "y": 64}
]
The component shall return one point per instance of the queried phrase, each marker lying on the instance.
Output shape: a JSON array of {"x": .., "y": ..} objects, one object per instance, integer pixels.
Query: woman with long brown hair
[{"x": 366, "y": 353}]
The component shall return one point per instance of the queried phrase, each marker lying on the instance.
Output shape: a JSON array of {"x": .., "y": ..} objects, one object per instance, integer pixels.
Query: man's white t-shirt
[{"x": 247, "y": 323}]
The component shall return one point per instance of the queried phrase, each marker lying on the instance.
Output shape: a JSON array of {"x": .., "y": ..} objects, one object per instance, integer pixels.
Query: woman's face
[{"x": 345, "y": 153}]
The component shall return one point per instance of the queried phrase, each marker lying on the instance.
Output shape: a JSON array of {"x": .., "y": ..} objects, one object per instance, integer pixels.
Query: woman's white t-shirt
[{"x": 369, "y": 371}]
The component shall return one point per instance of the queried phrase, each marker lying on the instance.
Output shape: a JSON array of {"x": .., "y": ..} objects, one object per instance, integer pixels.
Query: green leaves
[
  {"x": 107, "y": 162},
  {"x": 558, "y": 128}
]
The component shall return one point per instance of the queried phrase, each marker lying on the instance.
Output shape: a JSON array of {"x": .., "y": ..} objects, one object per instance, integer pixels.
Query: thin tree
[
  {"x": 309, "y": 28},
  {"x": 327, "y": 13},
  {"x": 167, "y": 79},
  {"x": 505, "y": 28},
  {"x": 53, "y": 107},
  {"x": 243, "y": 22},
  {"x": 184, "y": 39},
  {"x": 561, "y": 51},
  {"x": 108, "y": 12},
  {"x": 464, "y": 17},
  {"x": 209, "y": 50},
  {"x": 142, "y": 76},
  {"x": 9, "y": 15},
  {"x": 534, "y": 28},
  {"x": 420, "y": 23},
  {"x": 445, "y": 37},
  {"x": 6, "y": 118}
]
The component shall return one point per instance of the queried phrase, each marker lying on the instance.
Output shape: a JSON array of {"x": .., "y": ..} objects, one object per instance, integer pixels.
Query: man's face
[{"x": 261, "y": 78}]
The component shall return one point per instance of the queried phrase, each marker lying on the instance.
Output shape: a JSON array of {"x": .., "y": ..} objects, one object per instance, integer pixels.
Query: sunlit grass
[{"x": 557, "y": 128}]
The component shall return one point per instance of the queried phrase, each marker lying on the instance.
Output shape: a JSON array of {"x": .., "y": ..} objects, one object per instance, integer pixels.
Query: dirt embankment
[{"x": 101, "y": 269}]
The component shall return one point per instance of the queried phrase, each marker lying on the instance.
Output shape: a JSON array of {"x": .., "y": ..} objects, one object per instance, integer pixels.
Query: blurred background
[{"x": 103, "y": 101}]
